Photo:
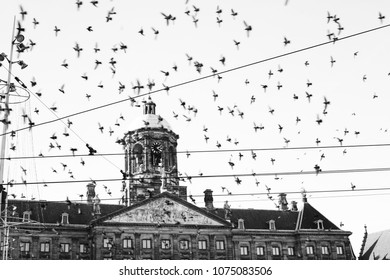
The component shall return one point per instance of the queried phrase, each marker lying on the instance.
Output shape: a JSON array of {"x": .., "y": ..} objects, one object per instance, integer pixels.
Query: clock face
[{"x": 156, "y": 148}]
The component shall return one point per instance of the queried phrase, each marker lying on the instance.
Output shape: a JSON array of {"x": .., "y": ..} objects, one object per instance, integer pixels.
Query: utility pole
[{"x": 9, "y": 88}]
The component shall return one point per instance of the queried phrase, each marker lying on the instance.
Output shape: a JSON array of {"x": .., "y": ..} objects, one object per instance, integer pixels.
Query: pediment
[{"x": 164, "y": 210}]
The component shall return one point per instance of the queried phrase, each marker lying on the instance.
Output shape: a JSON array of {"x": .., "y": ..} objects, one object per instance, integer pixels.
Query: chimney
[
  {"x": 294, "y": 206},
  {"x": 90, "y": 192},
  {"x": 304, "y": 198},
  {"x": 208, "y": 199},
  {"x": 283, "y": 202}
]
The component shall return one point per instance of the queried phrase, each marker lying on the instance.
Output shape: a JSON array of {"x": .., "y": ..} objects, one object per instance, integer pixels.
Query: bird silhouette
[
  {"x": 381, "y": 17},
  {"x": 65, "y": 64},
  {"x": 168, "y": 18},
  {"x": 78, "y": 49},
  {"x": 332, "y": 61},
  {"x": 286, "y": 41},
  {"x": 155, "y": 32},
  {"x": 233, "y": 13},
  {"x": 219, "y": 21},
  {"x": 78, "y": 4},
  {"x": 56, "y": 30},
  {"x": 22, "y": 12},
  {"x": 237, "y": 44},
  {"x": 308, "y": 96}
]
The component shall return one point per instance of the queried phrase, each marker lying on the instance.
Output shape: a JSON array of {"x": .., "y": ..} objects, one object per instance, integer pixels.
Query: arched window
[
  {"x": 171, "y": 157},
  {"x": 241, "y": 224},
  {"x": 272, "y": 225},
  {"x": 137, "y": 157},
  {"x": 320, "y": 224}
]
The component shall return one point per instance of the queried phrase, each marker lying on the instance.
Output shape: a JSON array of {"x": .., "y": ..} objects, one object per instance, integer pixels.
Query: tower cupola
[{"x": 151, "y": 157}]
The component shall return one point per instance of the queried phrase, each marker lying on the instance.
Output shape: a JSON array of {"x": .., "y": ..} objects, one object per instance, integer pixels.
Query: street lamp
[{"x": 16, "y": 40}]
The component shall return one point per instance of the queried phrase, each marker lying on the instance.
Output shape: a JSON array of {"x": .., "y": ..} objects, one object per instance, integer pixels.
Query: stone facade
[{"x": 157, "y": 222}]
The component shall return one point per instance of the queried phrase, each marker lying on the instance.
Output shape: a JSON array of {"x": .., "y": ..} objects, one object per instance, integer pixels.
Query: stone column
[
  {"x": 212, "y": 246},
  {"x": 117, "y": 248},
  {"x": 175, "y": 246},
  {"x": 236, "y": 251},
  {"x": 268, "y": 251},
  {"x": 55, "y": 248},
  {"x": 74, "y": 247},
  {"x": 252, "y": 250},
  {"x": 194, "y": 247},
  {"x": 156, "y": 246},
  {"x": 35, "y": 247},
  {"x": 229, "y": 248},
  {"x": 137, "y": 246}
]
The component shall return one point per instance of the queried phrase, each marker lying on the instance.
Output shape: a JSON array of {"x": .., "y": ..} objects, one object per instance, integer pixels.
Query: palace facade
[{"x": 156, "y": 221}]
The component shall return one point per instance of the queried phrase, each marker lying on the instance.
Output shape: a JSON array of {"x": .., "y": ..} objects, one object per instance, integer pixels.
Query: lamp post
[{"x": 16, "y": 40}]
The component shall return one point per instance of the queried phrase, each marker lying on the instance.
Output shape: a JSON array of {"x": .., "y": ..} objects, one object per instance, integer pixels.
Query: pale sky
[{"x": 356, "y": 86}]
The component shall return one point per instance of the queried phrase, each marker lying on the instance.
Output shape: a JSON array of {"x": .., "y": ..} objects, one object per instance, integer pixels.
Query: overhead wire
[
  {"x": 206, "y": 76},
  {"x": 210, "y": 151},
  {"x": 58, "y": 118},
  {"x": 190, "y": 177},
  {"x": 308, "y": 193}
]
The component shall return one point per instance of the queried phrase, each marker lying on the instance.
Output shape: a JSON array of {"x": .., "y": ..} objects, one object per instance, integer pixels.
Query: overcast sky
[{"x": 352, "y": 74}]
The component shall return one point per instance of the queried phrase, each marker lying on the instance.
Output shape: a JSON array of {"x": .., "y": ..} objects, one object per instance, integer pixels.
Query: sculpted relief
[{"x": 163, "y": 211}]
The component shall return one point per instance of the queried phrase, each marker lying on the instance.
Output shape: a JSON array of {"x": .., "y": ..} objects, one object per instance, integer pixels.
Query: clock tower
[{"x": 150, "y": 157}]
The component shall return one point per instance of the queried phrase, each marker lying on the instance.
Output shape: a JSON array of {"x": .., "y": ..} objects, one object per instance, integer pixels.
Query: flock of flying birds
[{"x": 185, "y": 111}]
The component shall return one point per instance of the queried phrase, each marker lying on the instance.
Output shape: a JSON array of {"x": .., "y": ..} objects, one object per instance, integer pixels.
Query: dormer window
[
  {"x": 241, "y": 224},
  {"x": 272, "y": 225},
  {"x": 26, "y": 216},
  {"x": 65, "y": 218},
  {"x": 320, "y": 225}
]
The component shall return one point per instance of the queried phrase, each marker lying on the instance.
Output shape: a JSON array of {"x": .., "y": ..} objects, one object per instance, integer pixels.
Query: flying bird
[
  {"x": 332, "y": 61},
  {"x": 56, "y": 30},
  {"x": 381, "y": 17},
  {"x": 248, "y": 28},
  {"x": 286, "y": 41},
  {"x": 22, "y": 12},
  {"x": 77, "y": 49}
]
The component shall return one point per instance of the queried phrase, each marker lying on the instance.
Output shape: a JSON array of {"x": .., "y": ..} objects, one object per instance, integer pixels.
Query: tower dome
[{"x": 149, "y": 119}]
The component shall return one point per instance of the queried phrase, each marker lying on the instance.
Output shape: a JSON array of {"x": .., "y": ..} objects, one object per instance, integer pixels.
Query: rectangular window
[
  {"x": 65, "y": 218},
  {"x": 260, "y": 251},
  {"x": 202, "y": 244},
  {"x": 165, "y": 244},
  {"x": 83, "y": 248},
  {"x": 244, "y": 250},
  {"x": 310, "y": 250},
  {"x": 26, "y": 216},
  {"x": 24, "y": 246},
  {"x": 184, "y": 245},
  {"x": 340, "y": 250},
  {"x": 275, "y": 251},
  {"x": 107, "y": 243},
  {"x": 146, "y": 243},
  {"x": 220, "y": 245},
  {"x": 64, "y": 247},
  {"x": 325, "y": 250},
  {"x": 127, "y": 243},
  {"x": 45, "y": 247},
  {"x": 290, "y": 251}
]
